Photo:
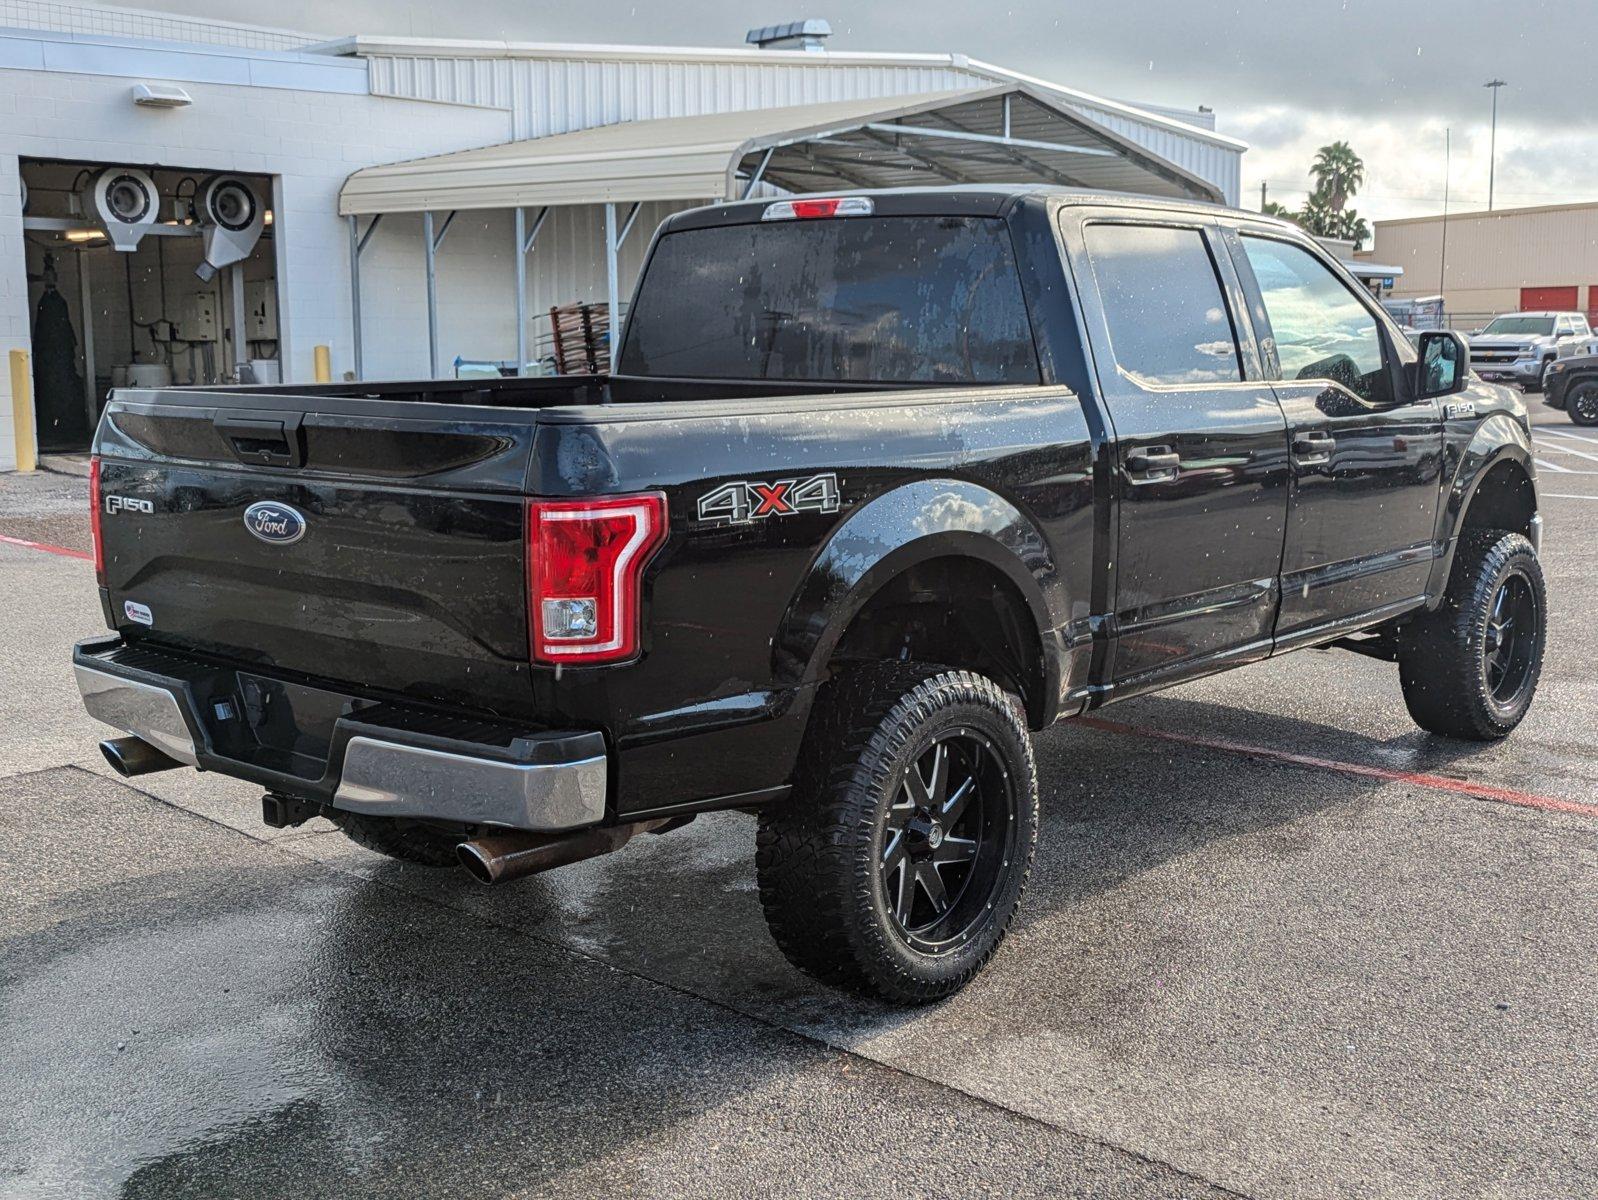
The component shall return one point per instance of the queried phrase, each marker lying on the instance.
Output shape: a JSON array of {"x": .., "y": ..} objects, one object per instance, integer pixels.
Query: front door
[
  {"x": 1367, "y": 456},
  {"x": 1201, "y": 470}
]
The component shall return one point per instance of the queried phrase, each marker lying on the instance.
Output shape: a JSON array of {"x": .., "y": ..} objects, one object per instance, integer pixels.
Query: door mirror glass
[{"x": 1443, "y": 367}]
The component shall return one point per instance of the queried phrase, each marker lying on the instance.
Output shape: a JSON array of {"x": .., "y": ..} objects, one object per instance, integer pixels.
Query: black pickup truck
[
  {"x": 1572, "y": 384},
  {"x": 882, "y": 483}
]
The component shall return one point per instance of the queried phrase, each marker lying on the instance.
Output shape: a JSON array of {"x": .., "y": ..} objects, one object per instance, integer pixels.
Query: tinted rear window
[{"x": 858, "y": 299}]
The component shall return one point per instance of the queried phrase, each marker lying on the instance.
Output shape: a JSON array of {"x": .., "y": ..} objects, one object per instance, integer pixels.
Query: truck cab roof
[{"x": 989, "y": 200}]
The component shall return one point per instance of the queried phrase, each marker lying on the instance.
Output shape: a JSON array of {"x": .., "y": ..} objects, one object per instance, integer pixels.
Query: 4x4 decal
[{"x": 754, "y": 500}]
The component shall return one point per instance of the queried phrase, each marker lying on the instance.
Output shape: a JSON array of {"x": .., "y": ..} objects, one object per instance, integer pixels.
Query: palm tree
[
  {"x": 1353, "y": 227},
  {"x": 1273, "y": 209},
  {"x": 1317, "y": 216},
  {"x": 1338, "y": 173}
]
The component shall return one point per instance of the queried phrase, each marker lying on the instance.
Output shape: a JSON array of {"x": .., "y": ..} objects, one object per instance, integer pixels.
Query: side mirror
[
  {"x": 1444, "y": 366},
  {"x": 1559, "y": 337}
]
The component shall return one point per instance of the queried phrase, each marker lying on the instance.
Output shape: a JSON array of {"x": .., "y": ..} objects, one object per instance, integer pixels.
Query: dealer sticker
[{"x": 138, "y": 613}]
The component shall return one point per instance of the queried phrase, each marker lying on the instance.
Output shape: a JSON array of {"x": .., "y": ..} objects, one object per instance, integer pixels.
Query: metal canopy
[{"x": 1006, "y": 134}]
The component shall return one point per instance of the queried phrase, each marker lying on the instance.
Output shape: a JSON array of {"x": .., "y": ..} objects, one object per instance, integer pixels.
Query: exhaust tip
[
  {"x": 112, "y": 753},
  {"x": 130, "y": 756},
  {"x": 475, "y": 861}
]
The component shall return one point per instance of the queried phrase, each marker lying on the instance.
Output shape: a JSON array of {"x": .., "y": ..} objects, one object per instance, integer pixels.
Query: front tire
[
  {"x": 896, "y": 866},
  {"x": 1470, "y": 669},
  {"x": 1582, "y": 403}
]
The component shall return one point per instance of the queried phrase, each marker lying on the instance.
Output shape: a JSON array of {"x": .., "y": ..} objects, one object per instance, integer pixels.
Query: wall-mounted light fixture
[{"x": 160, "y": 95}]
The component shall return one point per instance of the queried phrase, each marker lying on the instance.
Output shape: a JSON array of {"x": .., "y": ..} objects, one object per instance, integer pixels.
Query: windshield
[
  {"x": 857, "y": 299},
  {"x": 1524, "y": 326}
]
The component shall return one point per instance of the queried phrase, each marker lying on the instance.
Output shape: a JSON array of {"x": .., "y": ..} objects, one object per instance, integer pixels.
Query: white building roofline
[{"x": 413, "y": 47}]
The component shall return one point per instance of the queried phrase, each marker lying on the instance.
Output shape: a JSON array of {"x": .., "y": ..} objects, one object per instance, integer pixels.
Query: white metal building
[{"x": 297, "y": 119}]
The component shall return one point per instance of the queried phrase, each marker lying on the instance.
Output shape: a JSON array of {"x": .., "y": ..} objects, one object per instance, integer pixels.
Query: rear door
[
  {"x": 1367, "y": 456},
  {"x": 1201, "y": 471}
]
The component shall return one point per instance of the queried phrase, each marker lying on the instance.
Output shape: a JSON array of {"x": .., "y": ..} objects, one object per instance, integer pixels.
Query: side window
[
  {"x": 1164, "y": 305},
  {"x": 1321, "y": 330}
]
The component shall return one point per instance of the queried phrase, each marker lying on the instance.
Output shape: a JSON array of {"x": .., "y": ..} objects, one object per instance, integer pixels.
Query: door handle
[
  {"x": 1151, "y": 464},
  {"x": 1313, "y": 443}
]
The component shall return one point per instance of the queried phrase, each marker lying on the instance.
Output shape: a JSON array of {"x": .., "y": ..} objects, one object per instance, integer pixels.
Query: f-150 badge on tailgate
[
  {"x": 751, "y": 500},
  {"x": 275, "y": 523}
]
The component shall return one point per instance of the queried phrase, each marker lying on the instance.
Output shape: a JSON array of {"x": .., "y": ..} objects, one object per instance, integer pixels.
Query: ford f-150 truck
[{"x": 882, "y": 483}]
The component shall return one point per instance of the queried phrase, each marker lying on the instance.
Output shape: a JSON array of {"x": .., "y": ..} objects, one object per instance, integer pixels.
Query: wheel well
[
  {"x": 1503, "y": 500},
  {"x": 956, "y": 612}
]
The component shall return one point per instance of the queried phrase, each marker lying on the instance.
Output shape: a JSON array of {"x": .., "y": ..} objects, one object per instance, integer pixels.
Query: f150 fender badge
[
  {"x": 1456, "y": 409},
  {"x": 116, "y": 504},
  {"x": 273, "y": 522},
  {"x": 747, "y": 500}
]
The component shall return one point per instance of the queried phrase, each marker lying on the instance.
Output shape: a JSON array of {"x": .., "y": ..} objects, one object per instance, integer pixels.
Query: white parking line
[
  {"x": 1557, "y": 448},
  {"x": 1565, "y": 433},
  {"x": 1567, "y": 496},
  {"x": 1545, "y": 465}
]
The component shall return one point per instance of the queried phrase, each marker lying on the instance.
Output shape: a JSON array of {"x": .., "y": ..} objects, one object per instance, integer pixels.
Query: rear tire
[
  {"x": 896, "y": 866},
  {"x": 1582, "y": 403},
  {"x": 396, "y": 837},
  {"x": 1470, "y": 669}
]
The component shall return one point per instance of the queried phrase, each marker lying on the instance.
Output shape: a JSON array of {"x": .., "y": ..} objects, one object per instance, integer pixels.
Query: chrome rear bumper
[
  {"x": 394, "y": 780},
  {"x": 142, "y": 709},
  {"x": 540, "y": 781}
]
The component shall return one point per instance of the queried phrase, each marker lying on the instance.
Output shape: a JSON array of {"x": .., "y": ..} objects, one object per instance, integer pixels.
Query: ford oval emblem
[{"x": 273, "y": 522}]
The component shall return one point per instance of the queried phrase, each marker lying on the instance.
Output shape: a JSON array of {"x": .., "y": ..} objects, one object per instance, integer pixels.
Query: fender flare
[
  {"x": 921, "y": 521},
  {"x": 1500, "y": 438}
]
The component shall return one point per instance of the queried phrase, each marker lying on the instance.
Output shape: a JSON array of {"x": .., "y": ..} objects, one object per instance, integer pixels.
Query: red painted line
[
  {"x": 63, "y": 551},
  {"x": 1442, "y": 783}
]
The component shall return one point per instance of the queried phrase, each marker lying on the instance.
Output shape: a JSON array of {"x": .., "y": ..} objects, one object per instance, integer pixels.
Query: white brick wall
[{"x": 309, "y": 140}]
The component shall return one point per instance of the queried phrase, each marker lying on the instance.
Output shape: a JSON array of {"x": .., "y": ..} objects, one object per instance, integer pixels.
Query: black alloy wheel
[
  {"x": 946, "y": 840},
  {"x": 1582, "y": 403},
  {"x": 1510, "y": 640}
]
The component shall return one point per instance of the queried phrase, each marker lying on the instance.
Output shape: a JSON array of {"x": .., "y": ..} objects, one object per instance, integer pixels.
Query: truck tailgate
[{"x": 390, "y": 554}]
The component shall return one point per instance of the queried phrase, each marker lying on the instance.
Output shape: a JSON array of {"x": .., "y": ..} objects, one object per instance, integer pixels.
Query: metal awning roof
[
  {"x": 1004, "y": 134},
  {"x": 1363, "y": 268}
]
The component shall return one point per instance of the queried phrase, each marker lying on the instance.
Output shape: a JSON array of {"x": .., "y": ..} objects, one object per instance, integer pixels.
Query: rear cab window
[
  {"x": 881, "y": 299},
  {"x": 1164, "y": 306}
]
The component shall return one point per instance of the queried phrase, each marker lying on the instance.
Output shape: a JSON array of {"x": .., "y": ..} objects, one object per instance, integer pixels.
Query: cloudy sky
[{"x": 1388, "y": 76}]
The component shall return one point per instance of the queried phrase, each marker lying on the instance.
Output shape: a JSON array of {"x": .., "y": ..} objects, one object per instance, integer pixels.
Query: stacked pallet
[{"x": 582, "y": 338}]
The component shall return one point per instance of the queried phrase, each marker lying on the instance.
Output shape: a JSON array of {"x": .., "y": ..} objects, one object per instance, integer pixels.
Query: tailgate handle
[{"x": 266, "y": 441}]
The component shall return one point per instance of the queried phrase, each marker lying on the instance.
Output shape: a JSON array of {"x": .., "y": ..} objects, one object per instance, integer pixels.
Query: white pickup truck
[{"x": 1517, "y": 347}]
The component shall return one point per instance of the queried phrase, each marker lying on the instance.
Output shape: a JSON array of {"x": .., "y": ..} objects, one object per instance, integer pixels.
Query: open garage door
[{"x": 1548, "y": 299}]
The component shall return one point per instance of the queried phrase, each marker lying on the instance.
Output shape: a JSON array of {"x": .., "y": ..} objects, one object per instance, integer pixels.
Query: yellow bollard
[
  {"x": 324, "y": 364},
  {"x": 27, "y": 442}
]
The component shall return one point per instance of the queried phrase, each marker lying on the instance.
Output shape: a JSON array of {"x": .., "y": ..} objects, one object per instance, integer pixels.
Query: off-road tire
[
  {"x": 408, "y": 841},
  {"x": 820, "y": 851},
  {"x": 1581, "y": 403},
  {"x": 1442, "y": 656}
]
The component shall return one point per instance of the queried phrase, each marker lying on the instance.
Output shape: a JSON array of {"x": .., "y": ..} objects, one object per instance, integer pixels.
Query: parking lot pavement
[{"x": 1278, "y": 943}]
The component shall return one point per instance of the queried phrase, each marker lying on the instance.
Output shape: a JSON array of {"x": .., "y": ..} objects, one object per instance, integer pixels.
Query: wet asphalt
[{"x": 1233, "y": 974}]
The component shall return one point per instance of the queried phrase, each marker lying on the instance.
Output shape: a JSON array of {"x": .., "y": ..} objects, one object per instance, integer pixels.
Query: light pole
[{"x": 1492, "y": 142}]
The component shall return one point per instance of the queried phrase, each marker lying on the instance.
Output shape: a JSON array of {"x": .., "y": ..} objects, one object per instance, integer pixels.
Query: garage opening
[
  {"x": 143, "y": 276},
  {"x": 1548, "y": 299}
]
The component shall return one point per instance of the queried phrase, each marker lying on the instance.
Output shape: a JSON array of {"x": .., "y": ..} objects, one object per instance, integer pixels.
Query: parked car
[
  {"x": 884, "y": 483},
  {"x": 1517, "y": 347},
  {"x": 1572, "y": 385}
]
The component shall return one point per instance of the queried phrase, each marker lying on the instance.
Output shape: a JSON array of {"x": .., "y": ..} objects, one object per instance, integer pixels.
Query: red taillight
[
  {"x": 585, "y": 566},
  {"x": 94, "y": 518}
]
